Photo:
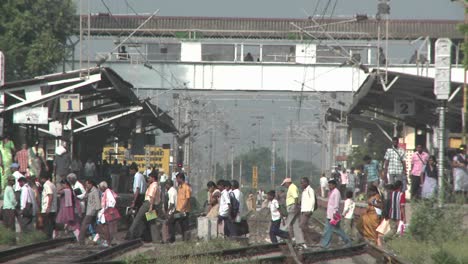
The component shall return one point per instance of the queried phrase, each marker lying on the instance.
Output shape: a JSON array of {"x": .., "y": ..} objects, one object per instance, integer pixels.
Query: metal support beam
[
  {"x": 107, "y": 120},
  {"x": 49, "y": 96},
  {"x": 79, "y": 122},
  {"x": 16, "y": 97},
  {"x": 384, "y": 132}
]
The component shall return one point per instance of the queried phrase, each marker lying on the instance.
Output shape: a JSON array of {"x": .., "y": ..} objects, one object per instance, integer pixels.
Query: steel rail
[
  {"x": 111, "y": 252},
  {"x": 235, "y": 252},
  {"x": 9, "y": 254}
]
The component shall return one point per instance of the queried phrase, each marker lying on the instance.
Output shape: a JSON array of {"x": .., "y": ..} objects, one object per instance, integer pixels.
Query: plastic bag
[
  {"x": 336, "y": 219},
  {"x": 384, "y": 227},
  {"x": 401, "y": 227}
]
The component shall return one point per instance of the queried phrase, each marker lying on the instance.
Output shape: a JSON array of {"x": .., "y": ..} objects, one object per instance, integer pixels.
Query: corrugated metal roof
[
  {"x": 217, "y": 27},
  {"x": 372, "y": 97}
]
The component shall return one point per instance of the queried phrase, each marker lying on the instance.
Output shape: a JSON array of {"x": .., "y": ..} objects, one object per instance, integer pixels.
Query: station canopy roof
[
  {"x": 372, "y": 102},
  {"x": 105, "y": 99}
]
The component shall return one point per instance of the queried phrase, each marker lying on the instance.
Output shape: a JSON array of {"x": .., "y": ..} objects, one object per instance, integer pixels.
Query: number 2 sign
[
  {"x": 404, "y": 107},
  {"x": 70, "y": 103}
]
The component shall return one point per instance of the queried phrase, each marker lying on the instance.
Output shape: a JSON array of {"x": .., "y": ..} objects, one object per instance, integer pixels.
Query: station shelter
[
  {"x": 87, "y": 109},
  {"x": 405, "y": 106}
]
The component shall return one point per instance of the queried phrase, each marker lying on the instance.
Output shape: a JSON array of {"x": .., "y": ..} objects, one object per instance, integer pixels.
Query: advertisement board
[{"x": 154, "y": 156}]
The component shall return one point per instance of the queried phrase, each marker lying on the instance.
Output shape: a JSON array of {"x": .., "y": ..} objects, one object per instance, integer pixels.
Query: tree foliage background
[
  {"x": 464, "y": 28},
  {"x": 261, "y": 157},
  {"x": 33, "y": 35},
  {"x": 374, "y": 146}
]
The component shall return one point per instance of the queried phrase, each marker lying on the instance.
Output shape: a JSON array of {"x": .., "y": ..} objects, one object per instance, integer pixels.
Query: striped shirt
[
  {"x": 22, "y": 159},
  {"x": 397, "y": 200}
]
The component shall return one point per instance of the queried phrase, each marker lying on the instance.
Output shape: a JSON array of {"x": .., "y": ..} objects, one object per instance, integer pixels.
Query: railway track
[
  {"x": 65, "y": 251},
  {"x": 285, "y": 253},
  {"x": 14, "y": 253},
  {"x": 249, "y": 251}
]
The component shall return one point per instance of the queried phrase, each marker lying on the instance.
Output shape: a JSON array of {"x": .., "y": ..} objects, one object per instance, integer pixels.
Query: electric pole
[{"x": 273, "y": 163}]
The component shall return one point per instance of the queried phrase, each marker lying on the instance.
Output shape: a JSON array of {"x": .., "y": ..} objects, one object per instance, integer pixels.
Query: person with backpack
[
  {"x": 308, "y": 206},
  {"x": 235, "y": 197},
  {"x": 238, "y": 209},
  {"x": 225, "y": 205}
]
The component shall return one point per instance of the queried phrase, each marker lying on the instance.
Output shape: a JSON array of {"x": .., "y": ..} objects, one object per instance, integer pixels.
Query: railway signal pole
[{"x": 442, "y": 91}]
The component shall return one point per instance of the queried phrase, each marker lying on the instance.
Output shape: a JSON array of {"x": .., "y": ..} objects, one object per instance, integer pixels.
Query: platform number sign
[
  {"x": 70, "y": 103},
  {"x": 404, "y": 107}
]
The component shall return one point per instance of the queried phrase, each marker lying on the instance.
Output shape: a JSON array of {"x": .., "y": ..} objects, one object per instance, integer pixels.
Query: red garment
[{"x": 22, "y": 159}]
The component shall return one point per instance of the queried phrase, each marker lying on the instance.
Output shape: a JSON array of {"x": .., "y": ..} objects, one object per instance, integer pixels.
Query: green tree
[
  {"x": 33, "y": 35},
  {"x": 464, "y": 29},
  {"x": 374, "y": 146},
  {"x": 261, "y": 157}
]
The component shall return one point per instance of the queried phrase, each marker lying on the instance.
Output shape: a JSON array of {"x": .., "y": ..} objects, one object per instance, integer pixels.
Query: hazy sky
[{"x": 400, "y": 9}]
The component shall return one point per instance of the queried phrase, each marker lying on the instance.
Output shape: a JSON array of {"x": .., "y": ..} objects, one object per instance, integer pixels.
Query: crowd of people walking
[{"x": 83, "y": 199}]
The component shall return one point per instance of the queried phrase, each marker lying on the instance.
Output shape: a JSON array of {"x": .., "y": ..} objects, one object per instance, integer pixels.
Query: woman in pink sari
[{"x": 70, "y": 209}]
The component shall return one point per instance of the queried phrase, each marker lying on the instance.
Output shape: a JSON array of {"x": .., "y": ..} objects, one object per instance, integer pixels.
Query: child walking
[
  {"x": 275, "y": 219},
  {"x": 348, "y": 214}
]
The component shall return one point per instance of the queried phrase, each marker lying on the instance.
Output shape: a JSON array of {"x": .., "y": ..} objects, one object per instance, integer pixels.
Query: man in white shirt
[
  {"x": 49, "y": 205},
  {"x": 28, "y": 206},
  {"x": 78, "y": 188},
  {"x": 170, "y": 209},
  {"x": 147, "y": 172},
  {"x": 139, "y": 187},
  {"x": 225, "y": 209},
  {"x": 240, "y": 198},
  {"x": 14, "y": 168},
  {"x": 308, "y": 205},
  {"x": 323, "y": 185}
]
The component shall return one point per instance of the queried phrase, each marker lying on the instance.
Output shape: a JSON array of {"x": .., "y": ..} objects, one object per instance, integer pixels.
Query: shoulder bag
[
  {"x": 28, "y": 209},
  {"x": 111, "y": 214}
]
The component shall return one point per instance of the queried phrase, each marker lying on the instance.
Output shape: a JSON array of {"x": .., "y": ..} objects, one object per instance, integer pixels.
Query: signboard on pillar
[
  {"x": 443, "y": 48},
  {"x": 70, "y": 103},
  {"x": 254, "y": 177}
]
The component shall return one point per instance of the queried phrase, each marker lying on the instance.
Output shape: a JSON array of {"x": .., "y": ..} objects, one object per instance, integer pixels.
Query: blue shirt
[{"x": 372, "y": 171}]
